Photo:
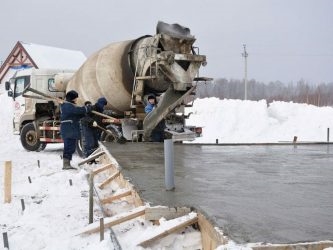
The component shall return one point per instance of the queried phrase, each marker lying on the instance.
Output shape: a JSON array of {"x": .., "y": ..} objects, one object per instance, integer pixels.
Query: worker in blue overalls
[
  {"x": 70, "y": 127},
  {"x": 90, "y": 127}
]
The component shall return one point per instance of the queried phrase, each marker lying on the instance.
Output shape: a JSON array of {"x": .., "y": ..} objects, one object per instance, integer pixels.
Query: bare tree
[{"x": 301, "y": 92}]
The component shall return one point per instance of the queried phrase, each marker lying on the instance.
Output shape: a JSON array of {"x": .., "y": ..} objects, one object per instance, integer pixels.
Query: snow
[
  {"x": 61, "y": 58},
  {"x": 55, "y": 210},
  {"x": 236, "y": 121}
]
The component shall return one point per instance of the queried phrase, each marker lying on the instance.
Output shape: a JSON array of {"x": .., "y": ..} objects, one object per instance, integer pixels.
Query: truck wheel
[
  {"x": 110, "y": 136},
  {"x": 29, "y": 138}
]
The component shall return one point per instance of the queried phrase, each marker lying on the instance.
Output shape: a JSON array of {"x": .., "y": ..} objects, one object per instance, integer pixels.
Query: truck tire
[
  {"x": 29, "y": 138},
  {"x": 111, "y": 136}
]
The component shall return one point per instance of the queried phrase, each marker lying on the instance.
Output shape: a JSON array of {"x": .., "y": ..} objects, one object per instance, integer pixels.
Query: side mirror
[
  {"x": 7, "y": 85},
  {"x": 10, "y": 93}
]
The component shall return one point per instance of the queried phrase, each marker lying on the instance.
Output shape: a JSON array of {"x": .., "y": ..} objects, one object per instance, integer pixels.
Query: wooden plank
[
  {"x": 211, "y": 237},
  {"x": 8, "y": 182},
  {"x": 91, "y": 157},
  {"x": 108, "y": 180},
  {"x": 116, "y": 197},
  {"x": 164, "y": 231},
  {"x": 114, "y": 220},
  {"x": 101, "y": 169}
]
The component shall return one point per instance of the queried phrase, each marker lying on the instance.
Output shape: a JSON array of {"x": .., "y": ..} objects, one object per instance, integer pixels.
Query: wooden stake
[
  {"x": 38, "y": 163},
  {"x": 22, "y": 204},
  {"x": 115, "y": 220},
  {"x": 5, "y": 240},
  {"x": 91, "y": 198},
  {"x": 29, "y": 179},
  {"x": 8, "y": 182},
  {"x": 101, "y": 229}
]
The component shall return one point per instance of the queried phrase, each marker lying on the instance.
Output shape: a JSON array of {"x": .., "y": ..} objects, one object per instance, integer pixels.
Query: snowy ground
[{"x": 55, "y": 210}]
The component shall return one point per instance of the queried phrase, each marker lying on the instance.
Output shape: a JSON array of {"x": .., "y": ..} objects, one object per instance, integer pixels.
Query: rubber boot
[{"x": 67, "y": 164}]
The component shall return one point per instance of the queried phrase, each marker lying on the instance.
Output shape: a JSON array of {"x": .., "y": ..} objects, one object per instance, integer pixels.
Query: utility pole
[{"x": 245, "y": 55}]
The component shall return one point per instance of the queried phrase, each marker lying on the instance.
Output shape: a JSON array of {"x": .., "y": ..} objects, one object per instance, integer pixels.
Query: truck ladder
[
  {"x": 138, "y": 84},
  {"x": 50, "y": 131}
]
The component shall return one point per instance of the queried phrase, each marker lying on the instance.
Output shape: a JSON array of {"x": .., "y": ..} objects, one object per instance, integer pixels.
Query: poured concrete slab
[{"x": 274, "y": 194}]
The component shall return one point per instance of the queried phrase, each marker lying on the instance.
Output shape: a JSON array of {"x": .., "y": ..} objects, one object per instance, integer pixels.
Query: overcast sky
[{"x": 286, "y": 40}]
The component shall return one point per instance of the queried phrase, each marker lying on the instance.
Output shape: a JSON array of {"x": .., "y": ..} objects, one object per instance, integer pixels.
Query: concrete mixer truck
[{"x": 125, "y": 73}]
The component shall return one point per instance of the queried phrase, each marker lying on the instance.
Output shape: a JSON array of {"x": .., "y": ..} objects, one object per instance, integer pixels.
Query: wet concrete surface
[{"x": 274, "y": 194}]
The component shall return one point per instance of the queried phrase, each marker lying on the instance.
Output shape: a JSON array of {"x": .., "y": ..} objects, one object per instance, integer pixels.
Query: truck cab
[{"x": 31, "y": 113}]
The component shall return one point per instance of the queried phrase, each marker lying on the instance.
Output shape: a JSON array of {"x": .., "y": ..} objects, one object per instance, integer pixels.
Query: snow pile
[{"x": 236, "y": 121}]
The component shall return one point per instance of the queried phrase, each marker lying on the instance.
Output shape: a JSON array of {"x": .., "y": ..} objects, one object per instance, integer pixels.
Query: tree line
[{"x": 300, "y": 92}]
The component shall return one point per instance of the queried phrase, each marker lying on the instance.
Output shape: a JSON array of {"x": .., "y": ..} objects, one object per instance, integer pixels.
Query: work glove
[{"x": 94, "y": 124}]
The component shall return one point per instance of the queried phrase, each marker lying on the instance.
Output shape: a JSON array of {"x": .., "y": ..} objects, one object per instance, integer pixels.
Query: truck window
[
  {"x": 20, "y": 84},
  {"x": 51, "y": 85}
]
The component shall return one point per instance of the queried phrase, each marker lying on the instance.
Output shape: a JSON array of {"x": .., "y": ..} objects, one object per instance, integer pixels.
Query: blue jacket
[
  {"x": 149, "y": 107},
  {"x": 70, "y": 117}
]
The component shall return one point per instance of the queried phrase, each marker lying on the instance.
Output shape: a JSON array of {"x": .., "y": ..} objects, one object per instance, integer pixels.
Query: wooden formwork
[
  {"x": 211, "y": 236},
  {"x": 112, "y": 172}
]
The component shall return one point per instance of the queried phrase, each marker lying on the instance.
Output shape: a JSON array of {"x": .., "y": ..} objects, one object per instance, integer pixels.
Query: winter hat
[
  {"x": 71, "y": 95},
  {"x": 151, "y": 97},
  {"x": 101, "y": 102}
]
